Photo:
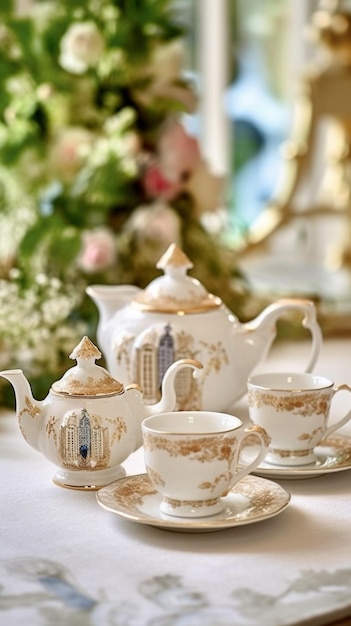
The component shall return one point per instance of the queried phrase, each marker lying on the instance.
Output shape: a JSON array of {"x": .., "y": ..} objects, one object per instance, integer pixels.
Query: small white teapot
[
  {"x": 141, "y": 332},
  {"x": 89, "y": 423}
]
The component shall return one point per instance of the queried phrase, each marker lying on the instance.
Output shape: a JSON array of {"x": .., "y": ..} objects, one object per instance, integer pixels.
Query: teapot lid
[
  {"x": 86, "y": 378},
  {"x": 175, "y": 291}
]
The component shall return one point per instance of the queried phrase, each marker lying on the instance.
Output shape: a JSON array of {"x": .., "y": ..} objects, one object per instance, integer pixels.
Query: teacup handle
[
  {"x": 254, "y": 431},
  {"x": 343, "y": 420}
]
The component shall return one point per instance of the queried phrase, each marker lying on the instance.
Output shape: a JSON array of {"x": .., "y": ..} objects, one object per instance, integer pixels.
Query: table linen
[{"x": 66, "y": 560}]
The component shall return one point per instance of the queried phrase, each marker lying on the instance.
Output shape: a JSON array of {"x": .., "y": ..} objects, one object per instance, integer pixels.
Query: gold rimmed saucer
[
  {"x": 252, "y": 499},
  {"x": 332, "y": 455}
]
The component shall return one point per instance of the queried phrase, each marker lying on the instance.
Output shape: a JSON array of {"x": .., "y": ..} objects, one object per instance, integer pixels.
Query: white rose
[
  {"x": 157, "y": 222},
  {"x": 81, "y": 47},
  {"x": 166, "y": 69}
]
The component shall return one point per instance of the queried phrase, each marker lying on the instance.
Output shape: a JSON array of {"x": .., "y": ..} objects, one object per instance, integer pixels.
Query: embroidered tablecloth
[{"x": 65, "y": 560}]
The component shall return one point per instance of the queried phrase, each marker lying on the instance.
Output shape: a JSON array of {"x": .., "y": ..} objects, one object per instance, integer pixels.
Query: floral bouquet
[{"x": 99, "y": 173}]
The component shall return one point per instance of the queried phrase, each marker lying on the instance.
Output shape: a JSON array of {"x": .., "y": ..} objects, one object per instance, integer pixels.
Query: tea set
[
  {"x": 184, "y": 359},
  {"x": 141, "y": 331}
]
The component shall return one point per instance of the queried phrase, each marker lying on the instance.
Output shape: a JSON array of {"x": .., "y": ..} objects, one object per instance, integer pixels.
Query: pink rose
[
  {"x": 99, "y": 250},
  {"x": 179, "y": 153},
  {"x": 157, "y": 185},
  {"x": 178, "y": 156}
]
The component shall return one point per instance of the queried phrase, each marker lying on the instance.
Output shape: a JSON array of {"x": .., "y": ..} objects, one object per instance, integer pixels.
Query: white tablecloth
[{"x": 65, "y": 560}]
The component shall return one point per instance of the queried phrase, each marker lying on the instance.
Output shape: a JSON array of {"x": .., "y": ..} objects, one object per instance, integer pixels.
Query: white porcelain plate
[
  {"x": 332, "y": 455},
  {"x": 253, "y": 499}
]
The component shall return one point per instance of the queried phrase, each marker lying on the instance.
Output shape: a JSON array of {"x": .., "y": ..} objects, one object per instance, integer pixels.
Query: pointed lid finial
[
  {"x": 174, "y": 257},
  {"x": 175, "y": 291},
  {"x": 86, "y": 378},
  {"x": 85, "y": 350}
]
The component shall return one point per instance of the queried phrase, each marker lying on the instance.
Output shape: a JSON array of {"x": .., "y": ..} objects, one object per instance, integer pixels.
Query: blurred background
[{"x": 126, "y": 125}]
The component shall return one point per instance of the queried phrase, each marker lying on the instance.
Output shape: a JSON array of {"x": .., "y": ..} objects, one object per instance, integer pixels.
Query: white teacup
[
  {"x": 191, "y": 458},
  {"x": 294, "y": 410}
]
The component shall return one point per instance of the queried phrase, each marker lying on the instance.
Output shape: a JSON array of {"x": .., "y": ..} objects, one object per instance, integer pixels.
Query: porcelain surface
[
  {"x": 295, "y": 408},
  {"x": 191, "y": 458},
  {"x": 140, "y": 331},
  {"x": 89, "y": 423},
  {"x": 332, "y": 455},
  {"x": 253, "y": 499}
]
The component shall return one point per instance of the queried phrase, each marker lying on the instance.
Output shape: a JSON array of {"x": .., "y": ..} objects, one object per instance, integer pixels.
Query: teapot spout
[
  {"x": 110, "y": 298},
  {"x": 169, "y": 397},
  {"x": 27, "y": 408}
]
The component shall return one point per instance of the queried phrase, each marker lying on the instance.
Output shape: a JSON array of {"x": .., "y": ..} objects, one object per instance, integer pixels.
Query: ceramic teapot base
[{"x": 88, "y": 480}]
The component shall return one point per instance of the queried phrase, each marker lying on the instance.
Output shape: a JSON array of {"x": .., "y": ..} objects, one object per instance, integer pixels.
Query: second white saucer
[{"x": 333, "y": 455}]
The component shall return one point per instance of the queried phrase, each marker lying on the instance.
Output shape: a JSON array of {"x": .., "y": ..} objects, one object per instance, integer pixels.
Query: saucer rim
[
  {"x": 198, "y": 524},
  {"x": 292, "y": 472}
]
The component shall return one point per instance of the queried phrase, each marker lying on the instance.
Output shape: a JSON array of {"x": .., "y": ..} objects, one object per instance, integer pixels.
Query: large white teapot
[
  {"x": 141, "y": 332},
  {"x": 89, "y": 423}
]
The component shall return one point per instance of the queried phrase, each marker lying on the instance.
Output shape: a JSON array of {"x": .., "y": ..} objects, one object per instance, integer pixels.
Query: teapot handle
[{"x": 275, "y": 310}]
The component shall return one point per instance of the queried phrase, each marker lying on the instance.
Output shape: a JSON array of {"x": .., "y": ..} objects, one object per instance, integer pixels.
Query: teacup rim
[
  {"x": 236, "y": 423},
  {"x": 256, "y": 381}
]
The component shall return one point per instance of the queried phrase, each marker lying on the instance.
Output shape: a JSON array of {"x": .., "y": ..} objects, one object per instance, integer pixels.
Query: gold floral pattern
[
  {"x": 212, "y": 486},
  {"x": 164, "y": 303},
  {"x": 120, "y": 427},
  {"x": 155, "y": 477},
  {"x": 135, "y": 498},
  {"x": 31, "y": 409},
  {"x": 195, "y": 504},
  {"x": 310, "y": 436},
  {"x": 213, "y": 355},
  {"x": 185, "y": 347},
  {"x": 303, "y": 404},
  {"x": 128, "y": 497},
  {"x": 92, "y": 386},
  {"x": 51, "y": 427},
  {"x": 341, "y": 450},
  {"x": 190, "y": 296},
  {"x": 333, "y": 454},
  {"x": 122, "y": 348},
  {"x": 85, "y": 350},
  {"x": 217, "y": 356},
  {"x": 263, "y": 499},
  {"x": 284, "y": 454},
  {"x": 202, "y": 449},
  {"x": 254, "y": 432},
  {"x": 55, "y": 429},
  {"x": 86, "y": 378}
]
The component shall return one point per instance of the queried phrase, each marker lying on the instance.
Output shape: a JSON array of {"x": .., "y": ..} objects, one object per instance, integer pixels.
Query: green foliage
[{"x": 87, "y": 91}]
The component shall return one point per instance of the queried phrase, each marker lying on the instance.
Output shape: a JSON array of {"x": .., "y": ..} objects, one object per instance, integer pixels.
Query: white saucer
[
  {"x": 332, "y": 455},
  {"x": 253, "y": 499}
]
